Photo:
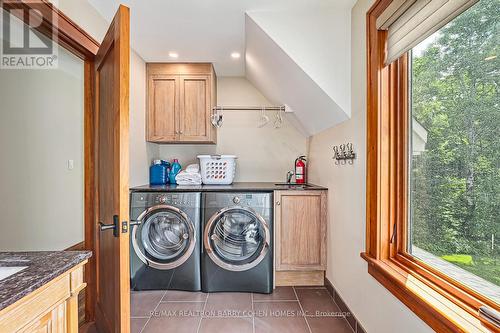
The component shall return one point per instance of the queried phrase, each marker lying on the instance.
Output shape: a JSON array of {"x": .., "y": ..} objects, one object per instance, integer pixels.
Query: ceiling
[
  {"x": 283, "y": 77},
  {"x": 198, "y": 30}
]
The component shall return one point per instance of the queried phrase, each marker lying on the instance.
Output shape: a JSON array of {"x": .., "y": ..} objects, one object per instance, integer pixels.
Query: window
[
  {"x": 455, "y": 150},
  {"x": 433, "y": 158}
]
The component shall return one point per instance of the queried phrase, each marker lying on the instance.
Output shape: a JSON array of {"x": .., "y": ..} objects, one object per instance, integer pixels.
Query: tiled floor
[{"x": 288, "y": 309}]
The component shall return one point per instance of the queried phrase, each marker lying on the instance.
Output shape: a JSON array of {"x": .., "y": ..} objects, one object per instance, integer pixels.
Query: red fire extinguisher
[{"x": 300, "y": 170}]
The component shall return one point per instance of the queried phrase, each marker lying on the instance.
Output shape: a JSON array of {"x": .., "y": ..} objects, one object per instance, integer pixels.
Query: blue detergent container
[
  {"x": 158, "y": 173},
  {"x": 174, "y": 170},
  {"x": 167, "y": 170}
]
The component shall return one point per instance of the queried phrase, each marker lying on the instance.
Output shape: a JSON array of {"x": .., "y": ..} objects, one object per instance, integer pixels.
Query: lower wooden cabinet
[
  {"x": 53, "y": 321},
  {"x": 52, "y": 308},
  {"x": 300, "y": 219}
]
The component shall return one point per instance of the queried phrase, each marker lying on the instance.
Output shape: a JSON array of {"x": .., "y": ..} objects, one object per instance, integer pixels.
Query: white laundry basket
[{"x": 217, "y": 169}]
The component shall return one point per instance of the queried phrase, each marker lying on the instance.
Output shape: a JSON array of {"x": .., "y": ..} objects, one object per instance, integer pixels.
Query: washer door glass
[
  {"x": 165, "y": 238},
  {"x": 238, "y": 238}
]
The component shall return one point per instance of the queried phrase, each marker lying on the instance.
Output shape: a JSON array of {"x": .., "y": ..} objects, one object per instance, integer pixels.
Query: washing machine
[
  {"x": 165, "y": 242},
  {"x": 237, "y": 246}
]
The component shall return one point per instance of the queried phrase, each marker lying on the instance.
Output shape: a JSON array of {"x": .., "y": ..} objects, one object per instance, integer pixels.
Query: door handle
[
  {"x": 115, "y": 226},
  {"x": 103, "y": 226}
]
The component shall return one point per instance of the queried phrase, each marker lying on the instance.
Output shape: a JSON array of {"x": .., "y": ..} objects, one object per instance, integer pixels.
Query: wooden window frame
[
  {"x": 443, "y": 303},
  {"x": 77, "y": 41}
]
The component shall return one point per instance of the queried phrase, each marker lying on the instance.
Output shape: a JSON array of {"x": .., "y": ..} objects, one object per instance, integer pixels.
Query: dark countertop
[
  {"x": 235, "y": 187},
  {"x": 42, "y": 268}
]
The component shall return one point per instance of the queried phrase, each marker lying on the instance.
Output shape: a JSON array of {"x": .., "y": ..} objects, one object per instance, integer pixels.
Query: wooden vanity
[{"x": 43, "y": 297}]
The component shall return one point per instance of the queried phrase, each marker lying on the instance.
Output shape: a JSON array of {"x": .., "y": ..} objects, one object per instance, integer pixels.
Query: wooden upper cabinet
[
  {"x": 163, "y": 99},
  {"x": 195, "y": 100},
  {"x": 180, "y": 101},
  {"x": 300, "y": 229}
]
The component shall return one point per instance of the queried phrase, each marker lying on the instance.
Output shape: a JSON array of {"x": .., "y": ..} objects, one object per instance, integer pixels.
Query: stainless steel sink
[
  {"x": 5, "y": 272},
  {"x": 293, "y": 185}
]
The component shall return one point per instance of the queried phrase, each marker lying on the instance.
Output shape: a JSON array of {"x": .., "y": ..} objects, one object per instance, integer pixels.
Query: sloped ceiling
[
  {"x": 300, "y": 60},
  {"x": 297, "y": 52},
  {"x": 199, "y": 31}
]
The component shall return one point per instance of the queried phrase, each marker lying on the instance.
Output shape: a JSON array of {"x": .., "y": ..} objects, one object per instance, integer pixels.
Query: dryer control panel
[{"x": 250, "y": 199}]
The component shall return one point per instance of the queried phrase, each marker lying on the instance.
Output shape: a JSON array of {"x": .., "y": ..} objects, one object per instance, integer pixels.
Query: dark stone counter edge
[
  {"x": 235, "y": 187},
  {"x": 43, "y": 267}
]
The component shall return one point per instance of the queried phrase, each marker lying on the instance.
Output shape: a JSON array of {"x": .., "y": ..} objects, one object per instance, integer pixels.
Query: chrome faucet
[{"x": 289, "y": 176}]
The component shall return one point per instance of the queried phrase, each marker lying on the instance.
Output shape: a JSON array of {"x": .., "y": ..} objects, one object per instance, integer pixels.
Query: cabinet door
[
  {"x": 300, "y": 229},
  {"x": 52, "y": 322},
  {"x": 163, "y": 104},
  {"x": 195, "y": 108}
]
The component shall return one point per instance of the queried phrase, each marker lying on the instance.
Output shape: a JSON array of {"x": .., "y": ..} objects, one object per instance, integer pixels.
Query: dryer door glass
[
  {"x": 165, "y": 237},
  {"x": 237, "y": 238}
]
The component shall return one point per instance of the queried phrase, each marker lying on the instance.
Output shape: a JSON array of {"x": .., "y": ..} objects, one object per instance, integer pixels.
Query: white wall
[
  {"x": 375, "y": 307},
  {"x": 141, "y": 152},
  {"x": 34, "y": 153},
  {"x": 41, "y": 128},
  {"x": 264, "y": 154},
  {"x": 85, "y": 15}
]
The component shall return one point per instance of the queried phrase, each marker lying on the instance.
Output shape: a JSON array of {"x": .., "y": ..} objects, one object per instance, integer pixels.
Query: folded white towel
[
  {"x": 188, "y": 178},
  {"x": 193, "y": 168},
  {"x": 180, "y": 182},
  {"x": 183, "y": 175}
]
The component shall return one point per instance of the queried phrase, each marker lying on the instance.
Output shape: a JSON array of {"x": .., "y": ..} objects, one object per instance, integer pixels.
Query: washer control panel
[
  {"x": 175, "y": 200},
  {"x": 180, "y": 200}
]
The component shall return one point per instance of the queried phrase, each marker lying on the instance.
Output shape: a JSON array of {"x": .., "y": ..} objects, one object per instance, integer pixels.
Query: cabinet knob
[
  {"x": 180, "y": 132},
  {"x": 278, "y": 203}
]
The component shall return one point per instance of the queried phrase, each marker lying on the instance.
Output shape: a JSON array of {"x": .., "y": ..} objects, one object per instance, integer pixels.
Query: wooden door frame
[{"x": 77, "y": 41}]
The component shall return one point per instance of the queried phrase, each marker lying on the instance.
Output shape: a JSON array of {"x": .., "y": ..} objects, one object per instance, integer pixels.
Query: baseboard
[
  {"x": 77, "y": 247},
  {"x": 351, "y": 319},
  {"x": 299, "y": 278}
]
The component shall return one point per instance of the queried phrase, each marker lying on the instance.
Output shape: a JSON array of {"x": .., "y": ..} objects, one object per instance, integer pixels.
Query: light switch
[{"x": 71, "y": 164}]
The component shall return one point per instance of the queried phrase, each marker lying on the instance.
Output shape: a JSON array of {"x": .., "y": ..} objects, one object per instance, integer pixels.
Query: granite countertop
[
  {"x": 235, "y": 187},
  {"x": 42, "y": 267}
]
